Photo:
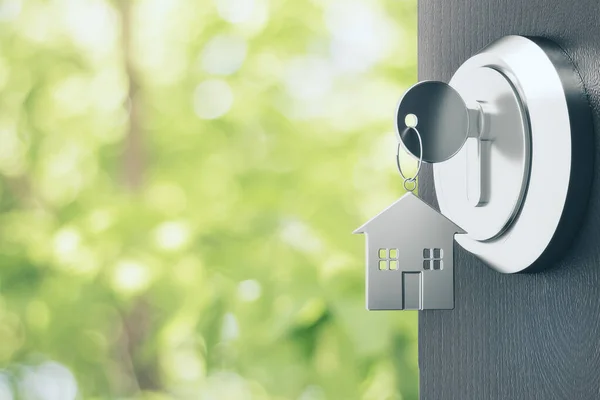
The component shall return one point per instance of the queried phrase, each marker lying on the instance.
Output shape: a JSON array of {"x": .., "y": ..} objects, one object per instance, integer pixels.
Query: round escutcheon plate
[{"x": 538, "y": 163}]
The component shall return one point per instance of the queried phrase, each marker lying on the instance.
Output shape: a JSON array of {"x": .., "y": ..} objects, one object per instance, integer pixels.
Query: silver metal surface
[
  {"x": 444, "y": 120},
  {"x": 533, "y": 101},
  {"x": 448, "y": 122},
  {"x": 505, "y": 167},
  {"x": 419, "y": 274},
  {"x": 477, "y": 170}
]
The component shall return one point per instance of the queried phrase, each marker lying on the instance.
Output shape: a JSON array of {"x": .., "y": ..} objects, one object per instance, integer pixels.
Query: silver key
[{"x": 446, "y": 123}]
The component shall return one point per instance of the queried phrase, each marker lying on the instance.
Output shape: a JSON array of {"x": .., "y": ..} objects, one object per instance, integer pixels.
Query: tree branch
[{"x": 133, "y": 161}]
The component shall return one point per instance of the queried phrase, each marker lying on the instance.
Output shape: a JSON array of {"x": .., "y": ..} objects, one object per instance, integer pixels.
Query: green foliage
[{"x": 176, "y": 209}]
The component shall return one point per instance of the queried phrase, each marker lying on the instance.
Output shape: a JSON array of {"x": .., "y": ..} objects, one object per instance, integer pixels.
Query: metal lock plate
[{"x": 539, "y": 163}]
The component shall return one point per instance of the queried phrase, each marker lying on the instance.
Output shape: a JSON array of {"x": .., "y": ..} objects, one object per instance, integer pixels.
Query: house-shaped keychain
[{"x": 410, "y": 257}]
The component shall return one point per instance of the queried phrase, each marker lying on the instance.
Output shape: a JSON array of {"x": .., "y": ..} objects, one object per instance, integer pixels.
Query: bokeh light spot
[
  {"x": 249, "y": 290},
  {"x": 212, "y": 99},
  {"x": 230, "y": 329},
  {"x": 361, "y": 34},
  {"x": 49, "y": 381},
  {"x": 300, "y": 236},
  {"x": 92, "y": 24},
  {"x": 66, "y": 242},
  {"x": 172, "y": 235},
  {"x": 5, "y": 389},
  {"x": 224, "y": 54},
  {"x": 236, "y": 11},
  {"x": 10, "y": 10},
  {"x": 308, "y": 78},
  {"x": 131, "y": 276}
]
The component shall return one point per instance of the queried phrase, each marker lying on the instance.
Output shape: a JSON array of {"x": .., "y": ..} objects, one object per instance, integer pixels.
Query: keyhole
[{"x": 411, "y": 120}]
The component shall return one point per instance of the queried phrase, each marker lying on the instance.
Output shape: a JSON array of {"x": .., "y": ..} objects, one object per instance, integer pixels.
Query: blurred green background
[{"x": 179, "y": 181}]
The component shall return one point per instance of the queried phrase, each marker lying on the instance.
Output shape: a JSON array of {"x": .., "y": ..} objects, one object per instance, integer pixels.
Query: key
[{"x": 446, "y": 123}]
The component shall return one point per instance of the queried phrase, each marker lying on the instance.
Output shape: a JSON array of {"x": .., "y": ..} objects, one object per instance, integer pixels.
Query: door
[{"x": 525, "y": 336}]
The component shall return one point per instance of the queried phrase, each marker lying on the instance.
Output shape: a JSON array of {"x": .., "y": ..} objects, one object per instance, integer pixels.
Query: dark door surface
[{"x": 525, "y": 336}]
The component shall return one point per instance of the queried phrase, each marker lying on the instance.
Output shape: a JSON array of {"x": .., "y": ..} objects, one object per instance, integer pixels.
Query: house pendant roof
[{"x": 410, "y": 210}]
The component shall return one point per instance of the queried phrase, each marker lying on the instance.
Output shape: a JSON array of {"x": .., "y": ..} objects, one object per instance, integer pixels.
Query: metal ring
[
  {"x": 406, "y": 181},
  {"x": 414, "y": 178}
]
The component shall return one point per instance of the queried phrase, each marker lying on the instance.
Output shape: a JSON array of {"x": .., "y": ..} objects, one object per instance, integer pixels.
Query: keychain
[{"x": 409, "y": 251}]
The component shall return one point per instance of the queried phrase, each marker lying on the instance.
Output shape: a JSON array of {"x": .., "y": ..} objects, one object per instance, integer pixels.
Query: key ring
[{"x": 412, "y": 180}]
